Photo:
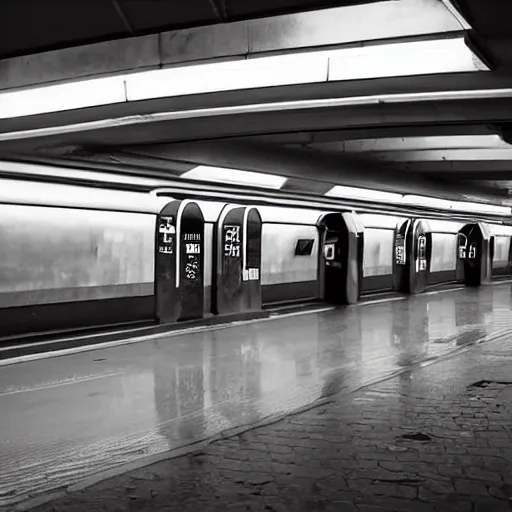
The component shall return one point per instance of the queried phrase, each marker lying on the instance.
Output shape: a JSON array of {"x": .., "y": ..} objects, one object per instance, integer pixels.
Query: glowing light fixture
[
  {"x": 374, "y": 61},
  {"x": 228, "y": 76},
  {"x": 234, "y": 177},
  {"x": 363, "y": 194},
  {"x": 416, "y": 200},
  {"x": 62, "y": 97},
  {"x": 430, "y": 202},
  {"x": 460, "y": 206},
  {"x": 483, "y": 208},
  {"x": 404, "y": 59}
]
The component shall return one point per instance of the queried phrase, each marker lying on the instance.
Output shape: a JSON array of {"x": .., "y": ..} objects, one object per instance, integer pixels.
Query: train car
[
  {"x": 78, "y": 257},
  {"x": 74, "y": 256}
]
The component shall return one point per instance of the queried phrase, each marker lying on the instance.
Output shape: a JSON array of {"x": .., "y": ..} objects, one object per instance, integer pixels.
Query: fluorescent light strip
[
  {"x": 62, "y": 97},
  {"x": 404, "y": 59},
  {"x": 234, "y": 177},
  {"x": 374, "y": 61},
  {"x": 480, "y": 208},
  {"x": 430, "y": 202},
  {"x": 462, "y": 206},
  {"x": 415, "y": 200},
  {"x": 363, "y": 194}
]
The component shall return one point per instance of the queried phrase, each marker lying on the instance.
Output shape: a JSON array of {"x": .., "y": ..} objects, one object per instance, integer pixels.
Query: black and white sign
[
  {"x": 232, "y": 241},
  {"x": 400, "y": 250},
  {"x": 193, "y": 248}
]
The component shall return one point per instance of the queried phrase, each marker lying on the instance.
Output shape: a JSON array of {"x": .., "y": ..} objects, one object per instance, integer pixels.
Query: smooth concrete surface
[
  {"x": 326, "y": 27},
  {"x": 360, "y": 452},
  {"x": 68, "y": 417}
]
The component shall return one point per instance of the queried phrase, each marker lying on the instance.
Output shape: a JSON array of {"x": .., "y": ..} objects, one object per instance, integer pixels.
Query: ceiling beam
[
  {"x": 225, "y": 122},
  {"x": 306, "y": 165},
  {"x": 475, "y": 175},
  {"x": 460, "y": 167},
  {"x": 305, "y": 138}
]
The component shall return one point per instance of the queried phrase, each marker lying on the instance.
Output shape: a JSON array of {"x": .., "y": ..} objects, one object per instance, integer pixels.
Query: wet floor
[{"x": 68, "y": 417}]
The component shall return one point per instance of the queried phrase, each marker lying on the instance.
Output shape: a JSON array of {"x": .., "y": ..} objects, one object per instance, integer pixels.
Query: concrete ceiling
[
  {"x": 33, "y": 26},
  {"x": 418, "y": 138},
  {"x": 458, "y": 144}
]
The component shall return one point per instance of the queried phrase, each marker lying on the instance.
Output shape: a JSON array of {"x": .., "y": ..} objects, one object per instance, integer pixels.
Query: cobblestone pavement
[{"x": 435, "y": 439}]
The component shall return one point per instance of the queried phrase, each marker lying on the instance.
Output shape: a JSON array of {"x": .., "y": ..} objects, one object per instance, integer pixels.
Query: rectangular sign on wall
[
  {"x": 192, "y": 237},
  {"x": 166, "y": 232},
  {"x": 232, "y": 241},
  {"x": 254, "y": 274},
  {"x": 193, "y": 248},
  {"x": 166, "y": 225},
  {"x": 400, "y": 250}
]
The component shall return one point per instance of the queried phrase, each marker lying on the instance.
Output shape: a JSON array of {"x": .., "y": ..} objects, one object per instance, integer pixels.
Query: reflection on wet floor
[{"x": 67, "y": 417}]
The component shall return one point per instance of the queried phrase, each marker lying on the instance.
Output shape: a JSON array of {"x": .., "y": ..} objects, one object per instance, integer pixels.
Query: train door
[
  {"x": 475, "y": 251},
  {"x": 340, "y": 264},
  {"x": 179, "y": 262}
]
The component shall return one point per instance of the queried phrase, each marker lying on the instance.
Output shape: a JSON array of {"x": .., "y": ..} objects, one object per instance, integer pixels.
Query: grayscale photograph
[{"x": 255, "y": 256}]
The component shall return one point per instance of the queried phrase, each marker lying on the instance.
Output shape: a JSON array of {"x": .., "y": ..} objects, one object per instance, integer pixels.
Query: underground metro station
[{"x": 255, "y": 256}]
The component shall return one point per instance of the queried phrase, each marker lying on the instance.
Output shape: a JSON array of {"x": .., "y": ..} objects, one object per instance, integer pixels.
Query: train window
[{"x": 304, "y": 247}]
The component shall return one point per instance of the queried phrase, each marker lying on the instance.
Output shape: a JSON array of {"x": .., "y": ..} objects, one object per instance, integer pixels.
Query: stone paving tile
[{"x": 349, "y": 455}]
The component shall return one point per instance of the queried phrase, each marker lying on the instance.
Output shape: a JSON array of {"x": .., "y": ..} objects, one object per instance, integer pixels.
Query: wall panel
[
  {"x": 378, "y": 252},
  {"x": 501, "y": 252},
  {"x": 85, "y": 254},
  {"x": 444, "y": 252},
  {"x": 279, "y": 263}
]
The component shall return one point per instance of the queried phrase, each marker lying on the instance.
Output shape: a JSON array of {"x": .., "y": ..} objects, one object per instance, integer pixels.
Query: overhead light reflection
[
  {"x": 62, "y": 97},
  {"x": 404, "y": 59},
  {"x": 234, "y": 177},
  {"x": 373, "y": 61},
  {"x": 483, "y": 208},
  {"x": 363, "y": 193},
  {"x": 431, "y": 202}
]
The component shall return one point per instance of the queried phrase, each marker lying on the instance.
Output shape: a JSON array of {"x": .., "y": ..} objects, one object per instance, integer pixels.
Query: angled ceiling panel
[{"x": 34, "y": 26}]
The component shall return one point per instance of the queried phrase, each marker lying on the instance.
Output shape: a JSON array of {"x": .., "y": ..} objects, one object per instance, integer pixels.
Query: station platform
[{"x": 395, "y": 404}]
